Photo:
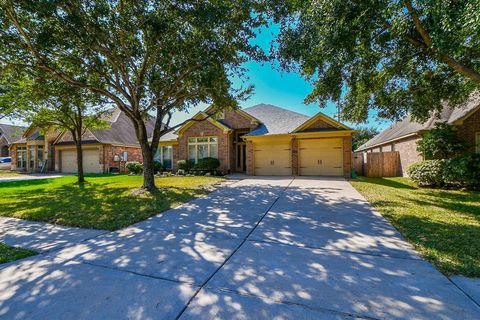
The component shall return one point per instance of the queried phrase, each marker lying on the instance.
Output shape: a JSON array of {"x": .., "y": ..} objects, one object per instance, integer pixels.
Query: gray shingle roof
[
  {"x": 11, "y": 133},
  {"x": 408, "y": 126},
  {"x": 121, "y": 130},
  {"x": 275, "y": 120}
]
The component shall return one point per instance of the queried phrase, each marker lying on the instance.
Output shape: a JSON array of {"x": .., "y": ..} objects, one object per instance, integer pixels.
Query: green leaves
[
  {"x": 372, "y": 55},
  {"x": 441, "y": 142}
]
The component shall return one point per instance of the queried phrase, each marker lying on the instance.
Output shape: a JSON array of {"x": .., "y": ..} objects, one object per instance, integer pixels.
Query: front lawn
[
  {"x": 443, "y": 225},
  {"x": 104, "y": 202},
  {"x": 8, "y": 253}
]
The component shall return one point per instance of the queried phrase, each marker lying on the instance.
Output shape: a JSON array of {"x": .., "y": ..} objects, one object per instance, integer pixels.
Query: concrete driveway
[{"x": 270, "y": 248}]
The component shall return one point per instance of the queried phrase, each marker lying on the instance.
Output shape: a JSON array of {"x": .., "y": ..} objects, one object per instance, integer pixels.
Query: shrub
[
  {"x": 185, "y": 165},
  {"x": 441, "y": 142},
  {"x": 135, "y": 167},
  {"x": 207, "y": 164},
  {"x": 157, "y": 166},
  {"x": 463, "y": 171},
  {"x": 428, "y": 173}
]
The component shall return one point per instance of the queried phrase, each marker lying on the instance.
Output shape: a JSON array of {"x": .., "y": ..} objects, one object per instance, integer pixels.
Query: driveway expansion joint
[{"x": 234, "y": 251}]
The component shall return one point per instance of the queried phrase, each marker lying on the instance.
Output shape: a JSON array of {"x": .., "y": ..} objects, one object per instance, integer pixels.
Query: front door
[{"x": 240, "y": 152}]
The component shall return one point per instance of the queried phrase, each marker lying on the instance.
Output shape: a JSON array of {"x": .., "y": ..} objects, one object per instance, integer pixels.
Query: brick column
[
  {"x": 250, "y": 161},
  {"x": 295, "y": 156},
  {"x": 347, "y": 156}
]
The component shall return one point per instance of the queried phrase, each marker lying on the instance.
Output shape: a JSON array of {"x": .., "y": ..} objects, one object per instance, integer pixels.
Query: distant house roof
[
  {"x": 120, "y": 130},
  {"x": 11, "y": 133},
  {"x": 408, "y": 127},
  {"x": 274, "y": 120}
]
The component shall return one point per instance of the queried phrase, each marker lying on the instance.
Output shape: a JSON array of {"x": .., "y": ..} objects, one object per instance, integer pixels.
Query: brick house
[
  {"x": 104, "y": 150},
  {"x": 262, "y": 140},
  {"x": 9, "y": 134},
  {"x": 403, "y": 135}
]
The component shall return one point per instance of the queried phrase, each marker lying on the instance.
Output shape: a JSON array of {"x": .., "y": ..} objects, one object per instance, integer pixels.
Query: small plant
[
  {"x": 207, "y": 164},
  {"x": 441, "y": 142},
  {"x": 185, "y": 165},
  {"x": 157, "y": 166},
  {"x": 428, "y": 173},
  {"x": 135, "y": 167}
]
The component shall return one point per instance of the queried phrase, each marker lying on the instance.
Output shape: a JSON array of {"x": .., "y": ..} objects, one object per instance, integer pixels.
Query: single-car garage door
[
  {"x": 91, "y": 163},
  {"x": 321, "y": 157},
  {"x": 273, "y": 159}
]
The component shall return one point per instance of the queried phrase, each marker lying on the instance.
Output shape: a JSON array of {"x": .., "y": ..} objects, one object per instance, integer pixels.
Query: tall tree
[
  {"x": 53, "y": 104},
  {"x": 145, "y": 56},
  {"x": 362, "y": 135},
  {"x": 395, "y": 56}
]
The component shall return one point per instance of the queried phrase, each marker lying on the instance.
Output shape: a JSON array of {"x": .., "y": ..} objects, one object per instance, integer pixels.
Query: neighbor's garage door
[
  {"x": 91, "y": 163},
  {"x": 272, "y": 159},
  {"x": 321, "y": 157}
]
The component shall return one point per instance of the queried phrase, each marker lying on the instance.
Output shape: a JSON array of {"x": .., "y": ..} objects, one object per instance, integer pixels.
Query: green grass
[
  {"x": 443, "y": 225},
  {"x": 104, "y": 202},
  {"x": 8, "y": 253}
]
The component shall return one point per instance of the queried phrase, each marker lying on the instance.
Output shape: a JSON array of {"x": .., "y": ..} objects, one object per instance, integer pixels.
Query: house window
[
  {"x": 31, "y": 157},
  {"x": 165, "y": 156},
  {"x": 39, "y": 157},
  {"x": 21, "y": 157},
  {"x": 202, "y": 147},
  {"x": 477, "y": 141}
]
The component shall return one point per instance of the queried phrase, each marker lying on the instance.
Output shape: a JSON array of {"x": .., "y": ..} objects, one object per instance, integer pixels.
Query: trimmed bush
[
  {"x": 463, "y": 171},
  {"x": 428, "y": 173},
  {"x": 185, "y": 165},
  {"x": 135, "y": 167},
  {"x": 207, "y": 164},
  {"x": 157, "y": 166}
]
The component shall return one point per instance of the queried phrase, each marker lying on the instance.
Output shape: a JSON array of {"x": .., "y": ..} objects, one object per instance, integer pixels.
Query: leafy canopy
[
  {"x": 393, "y": 56},
  {"x": 146, "y": 56},
  {"x": 362, "y": 135},
  {"x": 441, "y": 142}
]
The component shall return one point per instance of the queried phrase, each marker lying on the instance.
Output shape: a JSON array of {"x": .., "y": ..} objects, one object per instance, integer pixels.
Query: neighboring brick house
[
  {"x": 102, "y": 149},
  {"x": 403, "y": 135},
  {"x": 9, "y": 134},
  {"x": 263, "y": 140}
]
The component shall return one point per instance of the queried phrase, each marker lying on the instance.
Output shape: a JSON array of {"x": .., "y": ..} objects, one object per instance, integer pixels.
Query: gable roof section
[
  {"x": 11, "y": 133},
  {"x": 323, "y": 117},
  {"x": 408, "y": 127},
  {"x": 121, "y": 130},
  {"x": 202, "y": 115}
]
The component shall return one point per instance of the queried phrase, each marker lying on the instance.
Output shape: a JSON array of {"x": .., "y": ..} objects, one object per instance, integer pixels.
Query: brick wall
[
  {"x": 295, "y": 156},
  {"x": 108, "y": 152},
  {"x": 13, "y": 154},
  {"x": 408, "y": 152},
  {"x": 236, "y": 121},
  {"x": 468, "y": 130},
  {"x": 347, "y": 156},
  {"x": 4, "y": 152},
  {"x": 250, "y": 158},
  {"x": 206, "y": 128}
]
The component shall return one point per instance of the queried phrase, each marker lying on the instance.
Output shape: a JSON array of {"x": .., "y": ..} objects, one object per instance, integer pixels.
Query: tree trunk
[
  {"x": 148, "y": 168},
  {"x": 81, "y": 176}
]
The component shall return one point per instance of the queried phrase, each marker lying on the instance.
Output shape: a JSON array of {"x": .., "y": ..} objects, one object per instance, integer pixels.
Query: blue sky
[
  {"x": 284, "y": 89},
  {"x": 271, "y": 86}
]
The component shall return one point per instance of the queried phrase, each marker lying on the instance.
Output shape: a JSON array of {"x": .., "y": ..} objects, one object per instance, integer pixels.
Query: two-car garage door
[
  {"x": 316, "y": 157},
  {"x": 91, "y": 161}
]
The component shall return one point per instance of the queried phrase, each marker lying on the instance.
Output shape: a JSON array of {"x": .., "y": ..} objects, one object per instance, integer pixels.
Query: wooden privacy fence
[{"x": 377, "y": 164}]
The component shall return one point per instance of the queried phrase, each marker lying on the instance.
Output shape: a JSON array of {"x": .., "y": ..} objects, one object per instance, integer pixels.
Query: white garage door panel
[
  {"x": 91, "y": 163},
  {"x": 272, "y": 159},
  {"x": 321, "y": 157}
]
